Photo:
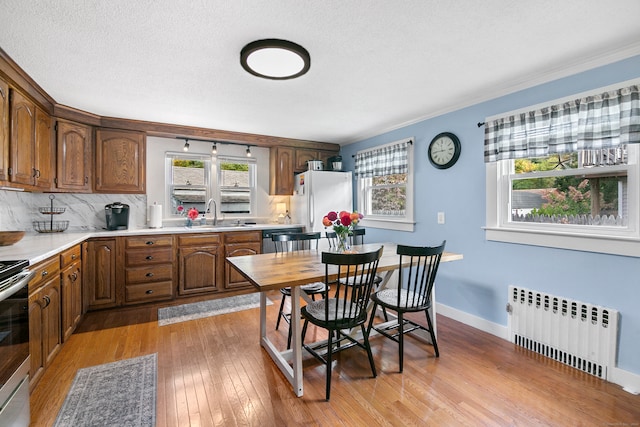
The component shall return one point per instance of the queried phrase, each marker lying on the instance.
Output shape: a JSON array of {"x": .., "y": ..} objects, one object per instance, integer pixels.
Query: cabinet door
[
  {"x": 22, "y": 139},
  {"x": 51, "y": 329},
  {"x": 233, "y": 279},
  {"x": 71, "y": 294},
  {"x": 199, "y": 269},
  {"x": 281, "y": 171},
  {"x": 36, "y": 304},
  {"x": 4, "y": 130},
  {"x": 120, "y": 162},
  {"x": 100, "y": 258},
  {"x": 302, "y": 157},
  {"x": 73, "y": 144},
  {"x": 44, "y": 151}
]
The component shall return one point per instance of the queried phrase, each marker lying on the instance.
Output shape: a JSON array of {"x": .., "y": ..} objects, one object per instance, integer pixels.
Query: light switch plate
[{"x": 440, "y": 217}]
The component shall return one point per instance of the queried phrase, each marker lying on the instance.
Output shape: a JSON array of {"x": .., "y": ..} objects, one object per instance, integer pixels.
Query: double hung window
[
  {"x": 194, "y": 179},
  {"x": 566, "y": 175},
  {"x": 385, "y": 185}
]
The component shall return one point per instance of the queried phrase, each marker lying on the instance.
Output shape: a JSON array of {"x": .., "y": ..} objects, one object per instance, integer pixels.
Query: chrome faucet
[{"x": 215, "y": 210}]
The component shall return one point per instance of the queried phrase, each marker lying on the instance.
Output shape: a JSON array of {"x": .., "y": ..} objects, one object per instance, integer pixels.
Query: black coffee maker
[{"x": 117, "y": 215}]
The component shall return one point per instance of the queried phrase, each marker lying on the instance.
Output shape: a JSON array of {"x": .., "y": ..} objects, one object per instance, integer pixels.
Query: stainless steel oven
[{"x": 14, "y": 343}]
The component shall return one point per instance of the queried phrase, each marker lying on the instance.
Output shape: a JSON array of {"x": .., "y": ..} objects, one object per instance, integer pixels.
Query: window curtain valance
[
  {"x": 594, "y": 122},
  {"x": 387, "y": 160}
]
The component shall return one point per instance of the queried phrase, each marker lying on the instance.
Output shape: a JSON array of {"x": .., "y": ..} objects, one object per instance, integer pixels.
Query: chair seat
[
  {"x": 409, "y": 301},
  {"x": 310, "y": 289},
  {"x": 316, "y": 310}
]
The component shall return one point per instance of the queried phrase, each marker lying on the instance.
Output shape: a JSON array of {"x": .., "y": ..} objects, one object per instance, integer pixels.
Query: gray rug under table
[
  {"x": 202, "y": 309},
  {"x": 119, "y": 394}
]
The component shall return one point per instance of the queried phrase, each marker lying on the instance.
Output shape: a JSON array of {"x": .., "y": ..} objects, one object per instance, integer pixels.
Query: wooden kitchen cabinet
[
  {"x": 281, "y": 171},
  {"x": 100, "y": 267},
  {"x": 4, "y": 130},
  {"x": 285, "y": 162},
  {"x": 71, "y": 290},
  {"x": 30, "y": 147},
  {"x": 239, "y": 244},
  {"x": 149, "y": 268},
  {"x": 120, "y": 162},
  {"x": 45, "y": 338},
  {"x": 200, "y": 264},
  {"x": 44, "y": 151},
  {"x": 73, "y": 164}
]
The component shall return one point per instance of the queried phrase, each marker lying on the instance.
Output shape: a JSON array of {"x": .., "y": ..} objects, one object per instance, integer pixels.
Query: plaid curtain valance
[
  {"x": 387, "y": 160},
  {"x": 590, "y": 123}
]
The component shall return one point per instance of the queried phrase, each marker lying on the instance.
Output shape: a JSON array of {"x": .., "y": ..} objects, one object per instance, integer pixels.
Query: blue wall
[{"x": 478, "y": 284}]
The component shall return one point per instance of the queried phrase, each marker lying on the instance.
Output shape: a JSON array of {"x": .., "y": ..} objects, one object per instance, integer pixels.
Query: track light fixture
[
  {"x": 248, "y": 151},
  {"x": 186, "y": 145},
  {"x": 214, "y": 149}
]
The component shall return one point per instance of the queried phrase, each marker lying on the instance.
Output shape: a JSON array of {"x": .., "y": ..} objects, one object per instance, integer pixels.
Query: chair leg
[
  {"x": 432, "y": 333},
  {"x": 289, "y": 337},
  {"x": 367, "y": 346},
  {"x": 329, "y": 363},
  {"x": 373, "y": 315},
  {"x": 280, "y": 311},
  {"x": 401, "y": 339}
]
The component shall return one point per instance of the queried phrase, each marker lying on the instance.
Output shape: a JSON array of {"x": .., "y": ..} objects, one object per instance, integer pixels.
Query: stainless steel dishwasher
[{"x": 267, "y": 244}]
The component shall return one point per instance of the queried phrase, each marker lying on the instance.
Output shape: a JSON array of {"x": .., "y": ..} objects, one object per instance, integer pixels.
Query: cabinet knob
[
  {"x": 73, "y": 256},
  {"x": 150, "y": 242},
  {"x": 149, "y": 257},
  {"x": 149, "y": 275},
  {"x": 44, "y": 273},
  {"x": 149, "y": 292}
]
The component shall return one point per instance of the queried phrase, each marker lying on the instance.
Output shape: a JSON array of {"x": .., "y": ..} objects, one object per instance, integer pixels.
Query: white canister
[
  {"x": 314, "y": 165},
  {"x": 155, "y": 216}
]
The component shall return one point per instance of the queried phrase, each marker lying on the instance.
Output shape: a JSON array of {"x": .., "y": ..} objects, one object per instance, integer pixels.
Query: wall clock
[{"x": 444, "y": 150}]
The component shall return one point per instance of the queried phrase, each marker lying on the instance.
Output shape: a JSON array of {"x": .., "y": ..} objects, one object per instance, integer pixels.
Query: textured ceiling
[{"x": 375, "y": 65}]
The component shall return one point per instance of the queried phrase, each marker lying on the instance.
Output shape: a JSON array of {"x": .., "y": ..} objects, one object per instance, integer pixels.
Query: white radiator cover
[{"x": 581, "y": 335}]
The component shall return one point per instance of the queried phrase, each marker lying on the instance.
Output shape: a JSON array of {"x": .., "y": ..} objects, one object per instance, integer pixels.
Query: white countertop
[{"x": 37, "y": 247}]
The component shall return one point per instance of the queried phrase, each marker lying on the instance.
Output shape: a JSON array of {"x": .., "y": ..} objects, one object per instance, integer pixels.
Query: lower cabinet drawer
[
  {"x": 136, "y": 257},
  {"x": 146, "y": 292},
  {"x": 152, "y": 273}
]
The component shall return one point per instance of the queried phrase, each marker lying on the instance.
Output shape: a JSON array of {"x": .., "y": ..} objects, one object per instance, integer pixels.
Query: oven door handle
[{"x": 17, "y": 282}]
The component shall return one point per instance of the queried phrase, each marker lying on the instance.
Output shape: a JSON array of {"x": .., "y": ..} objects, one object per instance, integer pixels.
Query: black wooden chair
[
  {"x": 347, "y": 309},
  {"x": 356, "y": 237},
  {"x": 412, "y": 294},
  {"x": 289, "y": 242}
]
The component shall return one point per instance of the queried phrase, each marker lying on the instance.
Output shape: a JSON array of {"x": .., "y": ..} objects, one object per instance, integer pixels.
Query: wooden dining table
[{"x": 274, "y": 271}]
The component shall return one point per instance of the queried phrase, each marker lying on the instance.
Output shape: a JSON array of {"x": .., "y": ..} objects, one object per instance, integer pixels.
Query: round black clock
[{"x": 444, "y": 150}]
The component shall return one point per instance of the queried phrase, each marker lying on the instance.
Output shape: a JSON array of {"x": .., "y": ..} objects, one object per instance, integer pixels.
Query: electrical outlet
[{"x": 440, "y": 217}]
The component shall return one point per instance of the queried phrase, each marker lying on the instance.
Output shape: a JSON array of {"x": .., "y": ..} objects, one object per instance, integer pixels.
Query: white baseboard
[
  {"x": 474, "y": 321},
  {"x": 629, "y": 381}
]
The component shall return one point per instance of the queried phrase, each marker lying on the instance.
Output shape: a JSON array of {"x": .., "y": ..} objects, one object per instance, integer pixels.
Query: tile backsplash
[{"x": 85, "y": 212}]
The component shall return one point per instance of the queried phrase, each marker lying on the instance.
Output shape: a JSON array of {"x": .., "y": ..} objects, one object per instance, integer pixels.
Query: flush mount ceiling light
[{"x": 275, "y": 59}]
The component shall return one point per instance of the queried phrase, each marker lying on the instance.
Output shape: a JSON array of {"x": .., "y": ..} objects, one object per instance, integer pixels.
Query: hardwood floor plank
[{"x": 212, "y": 372}]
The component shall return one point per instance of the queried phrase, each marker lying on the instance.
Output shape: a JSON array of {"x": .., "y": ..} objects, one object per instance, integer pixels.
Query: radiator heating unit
[{"x": 578, "y": 334}]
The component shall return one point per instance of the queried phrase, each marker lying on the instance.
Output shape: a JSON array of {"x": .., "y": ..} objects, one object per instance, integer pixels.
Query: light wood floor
[{"x": 213, "y": 372}]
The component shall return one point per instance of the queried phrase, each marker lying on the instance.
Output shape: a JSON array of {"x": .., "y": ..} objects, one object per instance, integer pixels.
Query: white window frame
[
  {"x": 404, "y": 223},
  {"x": 253, "y": 164},
  {"x": 599, "y": 239}
]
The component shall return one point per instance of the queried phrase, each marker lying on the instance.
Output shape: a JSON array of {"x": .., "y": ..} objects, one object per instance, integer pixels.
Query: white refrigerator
[{"x": 316, "y": 193}]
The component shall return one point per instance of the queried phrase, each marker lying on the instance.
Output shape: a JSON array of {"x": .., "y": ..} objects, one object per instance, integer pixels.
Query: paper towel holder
[{"x": 155, "y": 215}]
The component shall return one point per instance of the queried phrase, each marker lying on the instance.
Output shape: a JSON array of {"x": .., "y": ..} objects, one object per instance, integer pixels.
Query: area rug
[
  {"x": 202, "y": 309},
  {"x": 121, "y": 393}
]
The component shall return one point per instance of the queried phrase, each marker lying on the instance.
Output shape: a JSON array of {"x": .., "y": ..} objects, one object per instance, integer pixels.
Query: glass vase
[
  {"x": 342, "y": 242},
  {"x": 189, "y": 223}
]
